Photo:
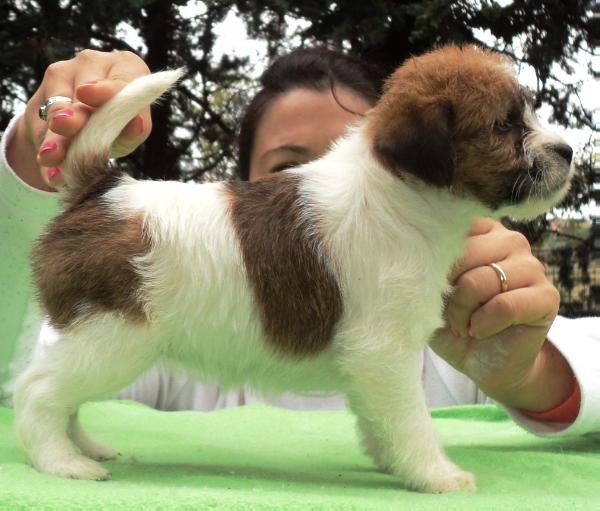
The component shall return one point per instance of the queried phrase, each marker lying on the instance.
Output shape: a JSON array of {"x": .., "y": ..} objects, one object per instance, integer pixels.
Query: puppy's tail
[{"x": 89, "y": 151}]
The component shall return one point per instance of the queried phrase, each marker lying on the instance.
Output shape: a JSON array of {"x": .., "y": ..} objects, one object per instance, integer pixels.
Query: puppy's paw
[
  {"x": 442, "y": 477},
  {"x": 457, "y": 480},
  {"x": 98, "y": 451},
  {"x": 438, "y": 477},
  {"x": 74, "y": 467}
]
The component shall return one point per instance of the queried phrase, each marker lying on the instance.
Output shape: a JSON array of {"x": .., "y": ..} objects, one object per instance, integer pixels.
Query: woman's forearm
[
  {"x": 550, "y": 383},
  {"x": 21, "y": 157}
]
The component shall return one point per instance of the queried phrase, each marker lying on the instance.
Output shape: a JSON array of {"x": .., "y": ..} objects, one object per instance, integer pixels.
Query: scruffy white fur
[{"x": 393, "y": 242}]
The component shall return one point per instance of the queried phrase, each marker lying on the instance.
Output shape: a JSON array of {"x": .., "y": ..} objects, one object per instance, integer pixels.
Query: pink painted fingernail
[
  {"x": 87, "y": 83},
  {"x": 52, "y": 172},
  {"x": 470, "y": 330},
  {"x": 454, "y": 332},
  {"x": 65, "y": 112},
  {"x": 48, "y": 146},
  {"x": 139, "y": 124}
]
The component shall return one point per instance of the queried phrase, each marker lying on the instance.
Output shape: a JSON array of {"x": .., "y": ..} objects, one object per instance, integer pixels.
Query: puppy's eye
[
  {"x": 531, "y": 97},
  {"x": 503, "y": 126},
  {"x": 284, "y": 166}
]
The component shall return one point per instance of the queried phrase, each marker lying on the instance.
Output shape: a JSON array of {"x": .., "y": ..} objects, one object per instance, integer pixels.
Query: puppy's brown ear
[{"x": 416, "y": 138}]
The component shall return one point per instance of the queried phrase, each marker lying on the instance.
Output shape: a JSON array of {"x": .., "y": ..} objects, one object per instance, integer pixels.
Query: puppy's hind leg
[
  {"x": 92, "y": 360},
  {"x": 386, "y": 393},
  {"x": 87, "y": 446}
]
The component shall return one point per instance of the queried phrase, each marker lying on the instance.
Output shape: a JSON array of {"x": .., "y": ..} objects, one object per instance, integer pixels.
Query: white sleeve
[
  {"x": 169, "y": 389},
  {"x": 578, "y": 340},
  {"x": 23, "y": 212}
]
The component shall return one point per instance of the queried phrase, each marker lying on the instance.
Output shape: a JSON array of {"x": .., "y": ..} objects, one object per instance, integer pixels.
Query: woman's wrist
[
  {"x": 567, "y": 411},
  {"x": 550, "y": 383},
  {"x": 21, "y": 157}
]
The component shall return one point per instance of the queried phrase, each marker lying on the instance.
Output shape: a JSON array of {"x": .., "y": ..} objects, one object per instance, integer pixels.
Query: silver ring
[{"x": 43, "y": 111}]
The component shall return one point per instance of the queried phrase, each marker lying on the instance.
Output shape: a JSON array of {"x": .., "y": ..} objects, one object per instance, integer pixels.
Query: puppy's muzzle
[{"x": 564, "y": 151}]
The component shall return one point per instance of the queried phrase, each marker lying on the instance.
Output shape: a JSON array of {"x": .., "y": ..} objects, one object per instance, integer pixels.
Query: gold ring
[{"x": 501, "y": 275}]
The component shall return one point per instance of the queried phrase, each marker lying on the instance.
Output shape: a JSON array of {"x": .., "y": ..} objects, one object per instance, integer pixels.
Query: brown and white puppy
[{"x": 329, "y": 277}]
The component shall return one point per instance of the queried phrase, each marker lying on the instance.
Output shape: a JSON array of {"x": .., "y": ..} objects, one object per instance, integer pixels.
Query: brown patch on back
[
  {"x": 295, "y": 291},
  {"x": 83, "y": 262}
]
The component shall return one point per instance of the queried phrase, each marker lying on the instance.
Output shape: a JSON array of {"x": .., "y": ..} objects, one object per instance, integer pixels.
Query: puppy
[{"x": 329, "y": 277}]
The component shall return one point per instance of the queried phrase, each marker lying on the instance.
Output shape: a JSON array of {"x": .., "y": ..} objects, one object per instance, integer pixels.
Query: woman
[{"x": 500, "y": 340}]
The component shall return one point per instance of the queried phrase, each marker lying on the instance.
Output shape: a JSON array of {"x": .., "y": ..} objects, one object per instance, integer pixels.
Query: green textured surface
[{"x": 261, "y": 457}]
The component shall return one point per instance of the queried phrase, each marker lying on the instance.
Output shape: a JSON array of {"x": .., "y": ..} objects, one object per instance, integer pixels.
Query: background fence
[{"x": 575, "y": 271}]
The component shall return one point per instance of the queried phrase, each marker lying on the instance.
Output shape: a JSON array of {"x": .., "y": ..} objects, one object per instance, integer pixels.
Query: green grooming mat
[{"x": 262, "y": 457}]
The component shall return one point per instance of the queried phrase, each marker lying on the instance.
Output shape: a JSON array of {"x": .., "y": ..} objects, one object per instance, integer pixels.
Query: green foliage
[{"x": 194, "y": 130}]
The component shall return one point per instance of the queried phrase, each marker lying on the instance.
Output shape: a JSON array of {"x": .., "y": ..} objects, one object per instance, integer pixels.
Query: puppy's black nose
[{"x": 565, "y": 151}]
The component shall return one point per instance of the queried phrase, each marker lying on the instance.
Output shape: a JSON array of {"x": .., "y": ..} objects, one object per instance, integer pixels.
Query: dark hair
[{"x": 313, "y": 68}]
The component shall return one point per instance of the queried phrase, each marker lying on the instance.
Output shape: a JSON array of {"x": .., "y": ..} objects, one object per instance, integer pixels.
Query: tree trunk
[{"x": 157, "y": 30}]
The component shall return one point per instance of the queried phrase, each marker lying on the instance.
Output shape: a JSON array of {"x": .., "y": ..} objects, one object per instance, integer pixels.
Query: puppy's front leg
[{"x": 387, "y": 396}]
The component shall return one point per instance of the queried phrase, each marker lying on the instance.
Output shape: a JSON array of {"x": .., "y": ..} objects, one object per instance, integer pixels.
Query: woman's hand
[
  {"x": 499, "y": 338},
  {"x": 91, "y": 78}
]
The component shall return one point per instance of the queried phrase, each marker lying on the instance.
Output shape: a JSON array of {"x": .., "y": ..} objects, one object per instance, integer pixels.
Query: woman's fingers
[
  {"x": 131, "y": 137},
  {"x": 90, "y": 79},
  {"x": 62, "y": 126},
  {"x": 122, "y": 68},
  {"x": 478, "y": 291},
  {"x": 118, "y": 75},
  {"x": 477, "y": 286},
  {"x": 41, "y": 145},
  {"x": 52, "y": 176},
  {"x": 52, "y": 149},
  {"x": 532, "y": 306},
  {"x": 69, "y": 120},
  {"x": 139, "y": 128},
  {"x": 488, "y": 242}
]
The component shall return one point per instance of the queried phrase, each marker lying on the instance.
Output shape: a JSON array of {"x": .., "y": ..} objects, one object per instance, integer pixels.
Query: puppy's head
[{"x": 457, "y": 118}]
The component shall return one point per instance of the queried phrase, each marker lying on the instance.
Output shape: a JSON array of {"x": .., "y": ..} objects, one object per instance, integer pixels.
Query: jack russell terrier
[{"x": 328, "y": 277}]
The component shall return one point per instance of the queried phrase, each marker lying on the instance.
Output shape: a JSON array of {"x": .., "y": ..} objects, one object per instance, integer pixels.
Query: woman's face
[{"x": 299, "y": 126}]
